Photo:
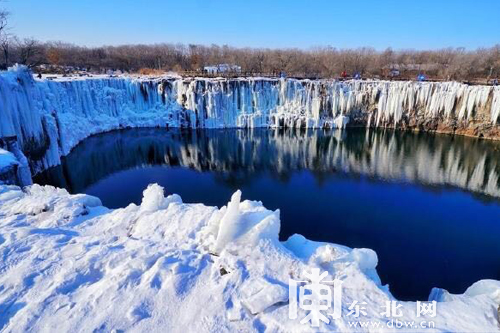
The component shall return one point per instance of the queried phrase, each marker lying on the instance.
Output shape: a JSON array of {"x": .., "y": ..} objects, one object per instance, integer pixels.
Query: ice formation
[
  {"x": 7, "y": 159},
  {"x": 66, "y": 259},
  {"x": 51, "y": 117},
  {"x": 14, "y": 168}
]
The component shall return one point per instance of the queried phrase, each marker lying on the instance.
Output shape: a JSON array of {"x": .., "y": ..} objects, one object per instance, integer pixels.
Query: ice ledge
[{"x": 165, "y": 265}]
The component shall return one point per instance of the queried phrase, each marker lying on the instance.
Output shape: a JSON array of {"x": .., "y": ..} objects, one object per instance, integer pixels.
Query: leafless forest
[{"x": 444, "y": 64}]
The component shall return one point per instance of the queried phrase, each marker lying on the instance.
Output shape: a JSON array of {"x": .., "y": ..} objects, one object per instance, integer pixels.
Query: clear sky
[{"x": 418, "y": 24}]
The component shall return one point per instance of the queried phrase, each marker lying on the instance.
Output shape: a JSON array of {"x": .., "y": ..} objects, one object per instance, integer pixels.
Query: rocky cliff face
[
  {"x": 449, "y": 107},
  {"x": 51, "y": 117}
]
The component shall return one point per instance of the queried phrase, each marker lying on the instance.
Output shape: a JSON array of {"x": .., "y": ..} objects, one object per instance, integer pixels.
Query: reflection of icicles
[
  {"x": 492, "y": 187},
  {"x": 476, "y": 180},
  {"x": 462, "y": 163}
]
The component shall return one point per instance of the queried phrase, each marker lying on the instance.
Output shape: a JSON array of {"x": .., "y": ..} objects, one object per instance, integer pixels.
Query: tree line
[{"x": 324, "y": 62}]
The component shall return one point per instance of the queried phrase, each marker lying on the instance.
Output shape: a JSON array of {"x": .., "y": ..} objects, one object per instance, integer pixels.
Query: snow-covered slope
[
  {"x": 69, "y": 264},
  {"x": 51, "y": 117}
]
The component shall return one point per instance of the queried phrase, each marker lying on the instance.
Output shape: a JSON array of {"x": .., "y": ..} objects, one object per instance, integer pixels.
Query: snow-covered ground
[{"x": 69, "y": 264}]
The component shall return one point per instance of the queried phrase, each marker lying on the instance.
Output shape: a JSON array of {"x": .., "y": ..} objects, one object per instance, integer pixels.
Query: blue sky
[{"x": 418, "y": 24}]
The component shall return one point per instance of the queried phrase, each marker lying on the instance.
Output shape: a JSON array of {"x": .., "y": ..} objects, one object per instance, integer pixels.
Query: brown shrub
[{"x": 150, "y": 71}]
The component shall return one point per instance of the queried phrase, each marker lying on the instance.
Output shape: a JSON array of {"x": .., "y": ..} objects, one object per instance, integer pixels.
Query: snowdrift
[{"x": 69, "y": 264}]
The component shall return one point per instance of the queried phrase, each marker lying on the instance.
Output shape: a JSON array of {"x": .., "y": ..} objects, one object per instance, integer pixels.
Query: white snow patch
[{"x": 69, "y": 264}]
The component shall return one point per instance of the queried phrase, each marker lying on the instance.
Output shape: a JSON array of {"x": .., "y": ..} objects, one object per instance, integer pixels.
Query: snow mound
[
  {"x": 49, "y": 206},
  {"x": 69, "y": 264},
  {"x": 153, "y": 199}
]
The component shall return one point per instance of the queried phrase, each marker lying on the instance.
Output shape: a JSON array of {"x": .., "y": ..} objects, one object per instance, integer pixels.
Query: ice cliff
[{"x": 50, "y": 117}]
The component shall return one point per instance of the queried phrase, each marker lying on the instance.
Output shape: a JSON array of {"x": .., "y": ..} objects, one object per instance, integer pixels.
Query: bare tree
[
  {"x": 326, "y": 62},
  {"x": 3, "y": 20},
  {"x": 4, "y": 36},
  {"x": 29, "y": 52}
]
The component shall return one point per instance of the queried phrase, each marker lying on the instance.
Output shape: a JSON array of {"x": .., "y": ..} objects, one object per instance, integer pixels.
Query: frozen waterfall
[{"x": 49, "y": 117}]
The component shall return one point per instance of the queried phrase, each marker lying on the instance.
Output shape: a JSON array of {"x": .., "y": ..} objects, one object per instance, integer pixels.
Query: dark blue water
[{"x": 427, "y": 204}]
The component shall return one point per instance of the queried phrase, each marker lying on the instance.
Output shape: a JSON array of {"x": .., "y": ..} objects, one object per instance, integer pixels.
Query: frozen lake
[{"x": 429, "y": 205}]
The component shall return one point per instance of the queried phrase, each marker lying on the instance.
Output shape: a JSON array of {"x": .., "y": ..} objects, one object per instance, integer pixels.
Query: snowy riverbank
[{"x": 69, "y": 264}]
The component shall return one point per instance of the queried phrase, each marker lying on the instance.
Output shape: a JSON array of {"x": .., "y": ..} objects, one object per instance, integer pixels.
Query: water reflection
[{"x": 237, "y": 156}]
